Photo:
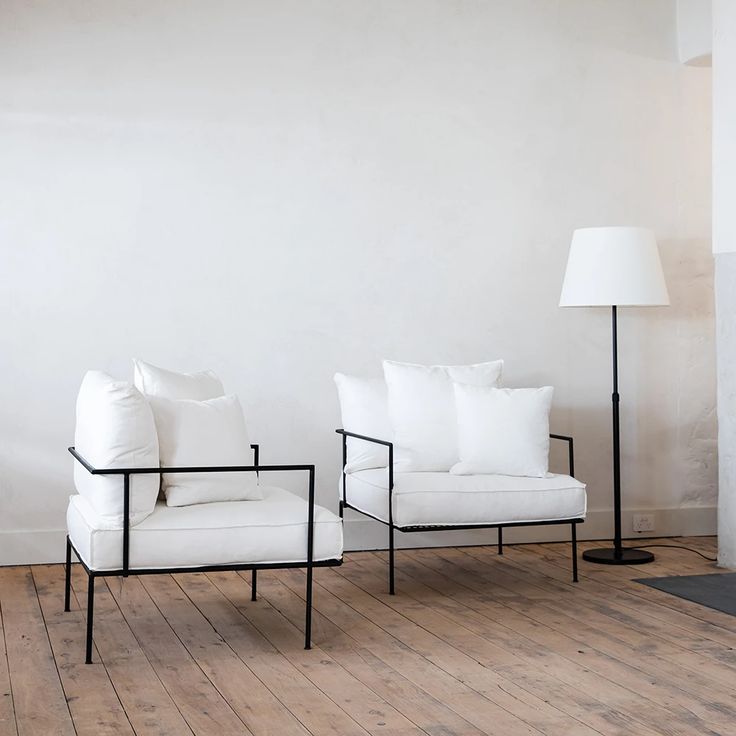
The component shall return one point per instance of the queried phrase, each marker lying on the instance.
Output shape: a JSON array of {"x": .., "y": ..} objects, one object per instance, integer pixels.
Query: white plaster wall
[
  {"x": 724, "y": 246},
  {"x": 695, "y": 31},
  {"x": 278, "y": 190}
]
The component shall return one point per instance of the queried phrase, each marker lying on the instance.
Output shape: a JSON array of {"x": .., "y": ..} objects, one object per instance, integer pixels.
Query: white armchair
[
  {"x": 434, "y": 501},
  {"x": 280, "y": 531},
  {"x": 431, "y": 448},
  {"x": 217, "y": 513}
]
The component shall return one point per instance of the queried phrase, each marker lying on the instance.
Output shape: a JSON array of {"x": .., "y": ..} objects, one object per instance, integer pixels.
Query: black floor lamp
[{"x": 614, "y": 267}]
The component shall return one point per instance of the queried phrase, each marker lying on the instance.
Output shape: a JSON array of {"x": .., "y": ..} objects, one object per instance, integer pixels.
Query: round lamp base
[{"x": 628, "y": 556}]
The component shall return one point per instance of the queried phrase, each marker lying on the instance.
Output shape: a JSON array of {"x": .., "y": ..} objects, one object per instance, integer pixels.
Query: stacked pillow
[
  {"x": 115, "y": 429},
  {"x": 447, "y": 418},
  {"x": 421, "y": 408},
  {"x": 364, "y": 410},
  {"x": 502, "y": 431},
  {"x": 198, "y": 425},
  {"x": 166, "y": 419},
  {"x": 151, "y": 380}
]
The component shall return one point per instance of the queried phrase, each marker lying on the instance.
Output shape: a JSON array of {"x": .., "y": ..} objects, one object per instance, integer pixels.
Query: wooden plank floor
[{"x": 472, "y": 644}]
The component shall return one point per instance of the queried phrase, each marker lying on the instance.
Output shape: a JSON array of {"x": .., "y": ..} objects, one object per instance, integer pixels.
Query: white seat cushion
[
  {"x": 273, "y": 530},
  {"x": 427, "y": 499}
]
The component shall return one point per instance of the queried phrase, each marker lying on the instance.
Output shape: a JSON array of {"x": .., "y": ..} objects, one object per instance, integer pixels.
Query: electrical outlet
[{"x": 643, "y": 522}]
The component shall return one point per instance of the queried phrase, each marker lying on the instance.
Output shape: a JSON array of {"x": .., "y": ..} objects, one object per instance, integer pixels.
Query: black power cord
[{"x": 677, "y": 546}]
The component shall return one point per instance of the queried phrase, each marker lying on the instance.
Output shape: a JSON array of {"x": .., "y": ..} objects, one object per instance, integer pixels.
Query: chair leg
[
  {"x": 90, "y": 615},
  {"x": 500, "y": 540},
  {"x": 67, "y": 575},
  {"x": 308, "y": 621},
  {"x": 574, "y": 552},
  {"x": 254, "y": 585},
  {"x": 391, "y": 587}
]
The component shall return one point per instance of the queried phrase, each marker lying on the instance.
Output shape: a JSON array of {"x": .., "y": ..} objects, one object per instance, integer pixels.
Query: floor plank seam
[
  {"x": 51, "y": 649},
  {"x": 7, "y": 663}
]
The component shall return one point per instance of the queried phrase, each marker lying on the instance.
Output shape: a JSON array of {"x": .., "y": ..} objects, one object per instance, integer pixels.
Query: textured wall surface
[
  {"x": 724, "y": 126},
  {"x": 278, "y": 190},
  {"x": 726, "y": 339}
]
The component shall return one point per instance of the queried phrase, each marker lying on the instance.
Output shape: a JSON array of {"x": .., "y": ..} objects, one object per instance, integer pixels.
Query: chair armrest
[
  {"x": 375, "y": 440},
  {"x": 127, "y": 472},
  {"x": 345, "y": 434},
  {"x": 186, "y": 469},
  {"x": 570, "y": 451}
]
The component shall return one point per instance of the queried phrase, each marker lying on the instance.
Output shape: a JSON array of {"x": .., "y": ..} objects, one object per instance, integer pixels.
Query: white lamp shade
[{"x": 610, "y": 266}]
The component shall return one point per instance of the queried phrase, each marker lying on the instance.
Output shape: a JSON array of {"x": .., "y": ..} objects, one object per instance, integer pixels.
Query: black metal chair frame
[
  {"x": 126, "y": 570},
  {"x": 439, "y": 527}
]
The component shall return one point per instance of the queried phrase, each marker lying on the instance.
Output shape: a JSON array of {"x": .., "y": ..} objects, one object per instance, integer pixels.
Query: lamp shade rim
[{"x": 589, "y": 305}]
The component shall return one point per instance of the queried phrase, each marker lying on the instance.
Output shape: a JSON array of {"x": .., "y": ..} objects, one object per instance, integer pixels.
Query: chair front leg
[
  {"x": 574, "y": 552},
  {"x": 310, "y": 560},
  {"x": 90, "y": 614},
  {"x": 254, "y": 585},
  {"x": 68, "y": 575}
]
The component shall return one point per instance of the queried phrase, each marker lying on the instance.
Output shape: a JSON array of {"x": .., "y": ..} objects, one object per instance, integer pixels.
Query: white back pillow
[
  {"x": 153, "y": 381},
  {"x": 364, "y": 410},
  {"x": 421, "y": 404},
  {"x": 204, "y": 433},
  {"x": 503, "y": 431},
  {"x": 115, "y": 429}
]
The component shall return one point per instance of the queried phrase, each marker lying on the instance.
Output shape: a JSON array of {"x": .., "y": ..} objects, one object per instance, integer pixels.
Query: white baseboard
[{"x": 33, "y": 547}]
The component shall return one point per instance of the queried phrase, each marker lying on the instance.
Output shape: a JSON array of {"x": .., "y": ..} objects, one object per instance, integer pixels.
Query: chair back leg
[
  {"x": 391, "y": 587},
  {"x": 254, "y": 585},
  {"x": 308, "y": 613},
  {"x": 500, "y": 540},
  {"x": 68, "y": 575},
  {"x": 90, "y": 615}
]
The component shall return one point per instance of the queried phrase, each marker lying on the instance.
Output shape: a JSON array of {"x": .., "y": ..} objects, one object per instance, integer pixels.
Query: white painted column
[{"x": 724, "y": 248}]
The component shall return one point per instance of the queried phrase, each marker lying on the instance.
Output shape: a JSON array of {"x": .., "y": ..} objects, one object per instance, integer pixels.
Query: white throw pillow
[
  {"x": 503, "y": 431},
  {"x": 204, "y": 433},
  {"x": 115, "y": 429},
  {"x": 421, "y": 405},
  {"x": 364, "y": 410},
  {"x": 153, "y": 381}
]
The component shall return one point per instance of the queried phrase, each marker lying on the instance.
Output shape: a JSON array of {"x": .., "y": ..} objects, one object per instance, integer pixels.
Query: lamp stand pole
[{"x": 618, "y": 554}]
